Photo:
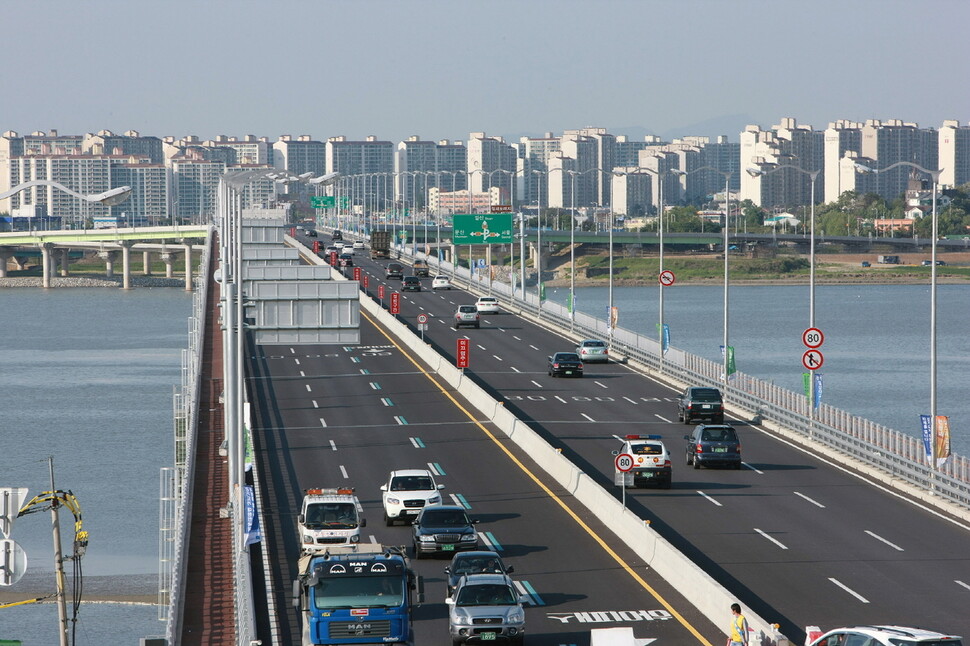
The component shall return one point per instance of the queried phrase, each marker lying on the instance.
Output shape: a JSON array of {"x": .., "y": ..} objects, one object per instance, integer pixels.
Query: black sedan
[
  {"x": 566, "y": 364},
  {"x": 443, "y": 529}
]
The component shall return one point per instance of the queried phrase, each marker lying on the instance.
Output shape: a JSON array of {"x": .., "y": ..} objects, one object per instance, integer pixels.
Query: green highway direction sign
[
  {"x": 482, "y": 228},
  {"x": 323, "y": 201}
]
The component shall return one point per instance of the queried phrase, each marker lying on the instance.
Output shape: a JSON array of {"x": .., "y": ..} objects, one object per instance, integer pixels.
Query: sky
[{"x": 440, "y": 69}]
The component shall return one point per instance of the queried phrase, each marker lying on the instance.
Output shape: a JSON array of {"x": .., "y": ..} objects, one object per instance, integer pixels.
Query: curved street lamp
[{"x": 935, "y": 175}]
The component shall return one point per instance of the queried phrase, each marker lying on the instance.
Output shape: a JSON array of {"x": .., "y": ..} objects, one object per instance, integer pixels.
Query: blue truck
[{"x": 357, "y": 594}]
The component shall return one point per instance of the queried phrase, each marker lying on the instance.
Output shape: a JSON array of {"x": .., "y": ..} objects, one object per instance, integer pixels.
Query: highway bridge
[{"x": 802, "y": 535}]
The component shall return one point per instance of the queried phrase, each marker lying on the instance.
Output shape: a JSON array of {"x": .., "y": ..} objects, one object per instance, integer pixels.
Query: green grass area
[{"x": 687, "y": 268}]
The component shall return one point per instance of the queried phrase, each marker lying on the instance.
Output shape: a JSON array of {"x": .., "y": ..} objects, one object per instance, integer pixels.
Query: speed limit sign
[
  {"x": 422, "y": 318},
  {"x": 623, "y": 462},
  {"x": 813, "y": 338}
]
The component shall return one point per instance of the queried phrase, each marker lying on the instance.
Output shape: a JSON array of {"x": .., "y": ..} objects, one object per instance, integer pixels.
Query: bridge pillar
[
  {"x": 45, "y": 260},
  {"x": 65, "y": 261},
  {"x": 169, "y": 261},
  {"x": 109, "y": 262},
  {"x": 5, "y": 257},
  {"x": 146, "y": 263},
  {"x": 126, "y": 265},
  {"x": 188, "y": 267}
]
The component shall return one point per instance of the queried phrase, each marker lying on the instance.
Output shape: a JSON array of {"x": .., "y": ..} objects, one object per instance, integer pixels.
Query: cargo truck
[
  {"x": 380, "y": 244},
  {"x": 357, "y": 594},
  {"x": 888, "y": 260}
]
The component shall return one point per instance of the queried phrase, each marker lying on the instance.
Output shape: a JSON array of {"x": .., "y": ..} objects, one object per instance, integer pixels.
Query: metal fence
[{"x": 895, "y": 453}]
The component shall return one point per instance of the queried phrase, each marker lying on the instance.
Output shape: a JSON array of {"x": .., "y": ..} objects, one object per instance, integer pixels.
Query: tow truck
[{"x": 328, "y": 517}]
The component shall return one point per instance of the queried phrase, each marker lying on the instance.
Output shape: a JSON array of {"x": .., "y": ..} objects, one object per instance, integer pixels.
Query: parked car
[
  {"x": 407, "y": 492},
  {"x": 486, "y": 609},
  {"x": 443, "y": 529},
  {"x": 410, "y": 284},
  {"x": 487, "y": 305},
  {"x": 467, "y": 315},
  {"x": 713, "y": 444},
  {"x": 929, "y": 263},
  {"x": 440, "y": 282},
  {"x": 883, "y": 636},
  {"x": 394, "y": 270},
  {"x": 477, "y": 562},
  {"x": 697, "y": 403},
  {"x": 565, "y": 364},
  {"x": 592, "y": 350}
]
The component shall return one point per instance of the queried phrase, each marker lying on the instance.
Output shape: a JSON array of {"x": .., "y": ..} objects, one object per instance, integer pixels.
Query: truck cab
[{"x": 328, "y": 517}]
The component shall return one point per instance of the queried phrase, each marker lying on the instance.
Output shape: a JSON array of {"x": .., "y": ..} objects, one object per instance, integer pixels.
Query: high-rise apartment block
[
  {"x": 491, "y": 162},
  {"x": 420, "y": 165},
  {"x": 954, "y": 154},
  {"x": 786, "y": 144},
  {"x": 371, "y": 160}
]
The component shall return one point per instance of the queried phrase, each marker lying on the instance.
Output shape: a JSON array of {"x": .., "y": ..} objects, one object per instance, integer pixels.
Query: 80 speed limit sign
[{"x": 623, "y": 462}]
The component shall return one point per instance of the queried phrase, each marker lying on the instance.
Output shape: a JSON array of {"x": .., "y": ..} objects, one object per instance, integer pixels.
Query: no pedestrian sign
[
  {"x": 667, "y": 278},
  {"x": 812, "y": 359}
]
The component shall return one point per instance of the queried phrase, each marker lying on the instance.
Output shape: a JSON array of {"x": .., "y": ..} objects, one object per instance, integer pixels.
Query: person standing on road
[{"x": 739, "y": 627}]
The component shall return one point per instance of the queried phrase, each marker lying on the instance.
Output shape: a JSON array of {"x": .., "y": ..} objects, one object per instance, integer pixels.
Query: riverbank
[
  {"x": 90, "y": 281},
  {"x": 135, "y": 588}
]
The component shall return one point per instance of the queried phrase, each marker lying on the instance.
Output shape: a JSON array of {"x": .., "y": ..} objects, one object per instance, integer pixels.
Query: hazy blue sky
[{"x": 442, "y": 69}]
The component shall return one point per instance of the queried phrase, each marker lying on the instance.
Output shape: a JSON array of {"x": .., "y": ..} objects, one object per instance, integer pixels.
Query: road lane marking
[
  {"x": 308, "y": 388},
  {"x": 315, "y": 404},
  {"x": 489, "y": 539},
  {"x": 333, "y": 445},
  {"x": 387, "y": 401},
  {"x": 748, "y": 466},
  {"x": 416, "y": 441},
  {"x": 375, "y": 386},
  {"x": 302, "y": 374},
  {"x": 773, "y": 540},
  {"x": 711, "y": 499},
  {"x": 480, "y": 347},
  {"x": 600, "y": 385},
  {"x": 880, "y": 538},
  {"x": 459, "y": 500},
  {"x": 343, "y": 472},
  {"x": 497, "y": 357},
  {"x": 632, "y": 401},
  {"x": 576, "y": 518},
  {"x": 559, "y": 398},
  {"x": 662, "y": 418},
  {"x": 961, "y": 583},
  {"x": 804, "y": 497},
  {"x": 588, "y": 417},
  {"x": 364, "y": 371},
  {"x": 524, "y": 587},
  {"x": 533, "y": 347},
  {"x": 516, "y": 338},
  {"x": 297, "y": 361},
  {"x": 292, "y": 351},
  {"x": 849, "y": 590},
  {"x": 514, "y": 368},
  {"x": 436, "y": 469},
  {"x": 538, "y": 385},
  {"x": 355, "y": 359},
  {"x": 323, "y": 422},
  {"x": 400, "y": 420}
]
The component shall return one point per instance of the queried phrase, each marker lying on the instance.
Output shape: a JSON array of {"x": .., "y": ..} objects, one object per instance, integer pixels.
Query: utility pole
[{"x": 58, "y": 559}]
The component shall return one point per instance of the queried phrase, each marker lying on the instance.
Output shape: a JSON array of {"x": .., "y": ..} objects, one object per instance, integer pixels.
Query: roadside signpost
[
  {"x": 812, "y": 359},
  {"x": 422, "y": 324},
  {"x": 323, "y": 201},
  {"x": 395, "y": 303},
  {"x": 366, "y": 282},
  {"x": 357, "y": 274},
  {"x": 623, "y": 463},
  {"x": 380, "y": 294},
  {"x": 667, "y": 278},
  {"x": 482, "y": 228},
  {"x": 461, "y": 355}
]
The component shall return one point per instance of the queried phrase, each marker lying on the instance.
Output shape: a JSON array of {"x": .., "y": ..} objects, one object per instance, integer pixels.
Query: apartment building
[
  {"x": 491, "y": 162},
  {"x": 532, "y": 162},
  {"x": 253, "y": 150},
  {"x": 420, "y": 165},
  {"x": 195, "y": 182},
  {"x": 787, "y": 144},
  {"x": 131, "y": 142},
  {"x": 147, "y": 204},
  {"x": 954, "y": 154},
  {"x": 841, "y": 137}
]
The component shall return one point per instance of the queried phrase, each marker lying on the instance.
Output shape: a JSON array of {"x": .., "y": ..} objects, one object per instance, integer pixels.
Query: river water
[
  {"x": 87, "y": 377},
  {"x": 876, "y": 349}
]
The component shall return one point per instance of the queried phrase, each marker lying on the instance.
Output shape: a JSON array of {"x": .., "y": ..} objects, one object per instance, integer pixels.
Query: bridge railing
[{"x": 896, "y": 454}]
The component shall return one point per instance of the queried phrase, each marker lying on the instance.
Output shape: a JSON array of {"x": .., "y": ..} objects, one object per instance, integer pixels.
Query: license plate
[
  {"x": 448, "y": 547},
  {"x": 485, "y": 637},
  {"x": 705, "y": 405},
  {"x": 720, "y": 449},
  {"x": 569, "y": 372}
]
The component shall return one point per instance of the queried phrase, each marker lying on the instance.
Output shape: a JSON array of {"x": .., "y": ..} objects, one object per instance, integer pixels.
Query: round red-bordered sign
[
  {"x": 667, "y": 278},
  {"x": 812, "y": 359},
  {"x": 422, "y": 318},
  {"x": 623, "y": 462},
  {"x": 813, "y": 338}
]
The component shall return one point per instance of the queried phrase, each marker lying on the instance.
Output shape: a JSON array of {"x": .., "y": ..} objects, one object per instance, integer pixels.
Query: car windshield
[
  {"x": 412, "y": 483},
  {"x": 718, "y": 435},
  {"x": 593, "y": 344},
  {"x": 646, "y": 449},
  {"x": 476, "y": 565},
  {"x": 706, "y": 395},
  {"x": 331, "y": 514},
  {"x": 566, "y": 356},
  {"x": 485, "y": 595},
  {"x": 444, "y": 518},
  {"x": 358, "y": 592},
  {"x": 466, "y": 308}
]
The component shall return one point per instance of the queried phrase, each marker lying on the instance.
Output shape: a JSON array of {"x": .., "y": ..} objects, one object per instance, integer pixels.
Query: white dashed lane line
[
  {"x": 804, "y": 497},
  {"x": 773, "y": 540},
  {"x": 880, "y": 538}
]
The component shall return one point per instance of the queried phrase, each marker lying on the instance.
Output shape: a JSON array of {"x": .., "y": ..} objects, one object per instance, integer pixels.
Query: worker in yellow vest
[{"x": 739, "y": 627}]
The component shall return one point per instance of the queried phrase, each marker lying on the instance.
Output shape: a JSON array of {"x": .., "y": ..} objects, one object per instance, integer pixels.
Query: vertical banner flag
[
  {"x": 731, "y": 369},
  {"x": 942, "y": 439},
  {"x": 614, "y": 316},
  {"x": 818, "y": 389},
  {"x": 542, "y": 292},
  {"x": 251, "y": 530},
  {"x": 807, "y": 384},
  {"x": 924, "y": 421},
  {"x": 666, "y": 339},
  {"x": 569, "y": 303}
]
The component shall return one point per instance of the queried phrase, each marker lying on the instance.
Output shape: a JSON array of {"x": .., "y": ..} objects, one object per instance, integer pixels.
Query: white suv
[
  {"x": 880, "y": 636},
  {"x": 407, "y": 492}
]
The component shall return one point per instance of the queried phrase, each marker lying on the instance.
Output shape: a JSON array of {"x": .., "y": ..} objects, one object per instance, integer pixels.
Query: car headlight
[
  {"x": 517, "y": 616},
  {"x": 393, "y": 501},
  {"x": 462, "y": 620},
  {"x": 307, "y": 538},
  {"x": 426, "y": 539},
  {"x": 355, "y": 538},
  {"x": 469, "y": 537},
  {"x": 434, "y": 501}
]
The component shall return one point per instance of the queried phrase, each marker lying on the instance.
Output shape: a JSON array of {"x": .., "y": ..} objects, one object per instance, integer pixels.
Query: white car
[
  {"x": 591, "y": 350},
  {"x": 339, "y": 244},
  {"x": 487, "y": 305},
  {"x": 358, "y": 244},
  {"x": 440, "y": 282},
  {"x": 407, "y": 492},
  {"x": 879, "y": 636},
  {"x": 650, "y": 462}
]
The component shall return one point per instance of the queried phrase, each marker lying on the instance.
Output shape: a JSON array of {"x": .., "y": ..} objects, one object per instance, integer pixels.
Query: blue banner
[
  {"x": 665, "y": 345},
  {"x": 927, "y": 425},
  {"x": 253, "y": 534},
  {"x": 818, "y": 390}
]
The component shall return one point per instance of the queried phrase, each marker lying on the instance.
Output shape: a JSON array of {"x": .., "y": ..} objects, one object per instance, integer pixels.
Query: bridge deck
[{"x": 209, "y": 610}]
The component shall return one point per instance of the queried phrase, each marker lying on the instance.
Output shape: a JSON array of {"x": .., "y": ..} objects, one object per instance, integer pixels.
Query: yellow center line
[{"x": 579, "y": 521}]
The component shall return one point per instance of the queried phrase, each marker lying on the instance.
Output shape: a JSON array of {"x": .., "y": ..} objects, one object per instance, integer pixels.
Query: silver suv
[
  {"x": 467, "y": 315},
  {"x": 882, "y": 636},
  {"x": 486, "y": 608}
]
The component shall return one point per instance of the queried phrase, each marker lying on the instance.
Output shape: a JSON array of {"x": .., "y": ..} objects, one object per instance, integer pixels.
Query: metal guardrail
[
  {"x": 176, "y": 482},
  {"x": 892, "y": 452}
]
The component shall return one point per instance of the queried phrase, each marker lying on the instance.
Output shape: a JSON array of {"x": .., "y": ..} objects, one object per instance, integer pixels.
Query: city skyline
[{"x": 441, "y": 70}]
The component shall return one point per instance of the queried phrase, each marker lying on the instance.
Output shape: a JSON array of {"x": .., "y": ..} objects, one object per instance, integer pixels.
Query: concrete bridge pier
[
  {"x": 65, "y": 262},
  {"x": 109, "y": 258},
  {"x": 125, "y": 265},
  {"x": 46, "y": 263},
  {"x": 169, "y": 261},
  {"x": 188, "y": 266},
  {"x": 5, "y": 257},
  {"x": 146, "y": 263}
]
